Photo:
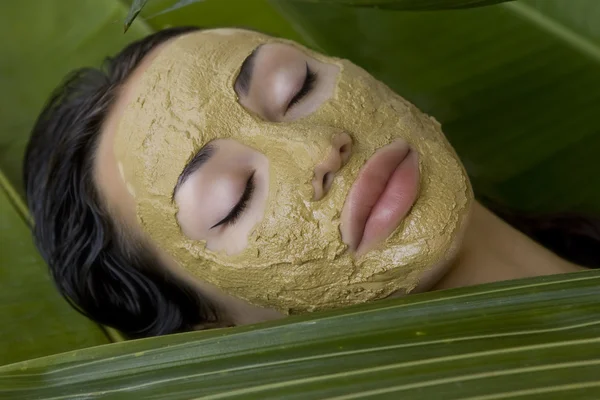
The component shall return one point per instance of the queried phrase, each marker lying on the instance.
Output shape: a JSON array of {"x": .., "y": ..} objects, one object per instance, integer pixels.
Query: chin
[{"x": 433, "y": 275}]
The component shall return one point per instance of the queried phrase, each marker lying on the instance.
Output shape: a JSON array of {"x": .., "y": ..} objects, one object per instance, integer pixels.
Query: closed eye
[
  {"x": 309, "y": 83},
  {"x": 241, "y": 205}
]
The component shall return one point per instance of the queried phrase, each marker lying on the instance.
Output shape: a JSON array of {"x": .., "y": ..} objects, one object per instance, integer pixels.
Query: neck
[{"x": 493, "y": 251}]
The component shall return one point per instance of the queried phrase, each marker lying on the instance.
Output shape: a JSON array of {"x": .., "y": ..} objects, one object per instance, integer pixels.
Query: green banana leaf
[
  {"x": 42, "y": 42},
  {"x": 410, "y": 5},
  {"x": 135, "y": 9},
  {"x": 35, "y": 320},
  {"x": 534, "y": 339},
  {"x": 138, "y": 5},
  {"x": 254, "y": 14},
  {"x": 516, "y": 87}
]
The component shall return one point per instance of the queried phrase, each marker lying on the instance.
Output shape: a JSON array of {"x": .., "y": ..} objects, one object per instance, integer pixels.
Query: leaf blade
[
  {"x": 463, "y": 342},
  {"x": 176, "y": 6},
  {"x": 410, "y": 5},
  {"x": 134, "y": 10}
]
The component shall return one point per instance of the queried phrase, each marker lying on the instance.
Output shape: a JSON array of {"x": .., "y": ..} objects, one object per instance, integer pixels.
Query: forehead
[
  {"x": 210, "y": 57},
  {"x": 215, "y": 52},
  {"x": 181, "y": 53}
]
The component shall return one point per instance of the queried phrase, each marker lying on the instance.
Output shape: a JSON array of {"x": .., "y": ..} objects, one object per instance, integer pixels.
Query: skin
[
  {"x": 210, "y": 193},
  {"x": 492, "y": 251}
]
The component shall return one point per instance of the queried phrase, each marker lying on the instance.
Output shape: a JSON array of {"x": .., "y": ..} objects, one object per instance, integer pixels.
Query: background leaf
[
  {"x": 176, "y": 6},
  {"x": 135, "y": 9},
  {"x": 409, "y": 5},
  {"x": 537, "y": 336},
  {"x": 60, "y": 35},
  {"x": 35, "y": 320},
  {"x": 253, "y": 14}
]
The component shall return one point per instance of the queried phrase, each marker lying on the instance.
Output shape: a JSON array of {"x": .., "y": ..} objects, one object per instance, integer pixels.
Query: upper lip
[{"x": 384, "y": 191}]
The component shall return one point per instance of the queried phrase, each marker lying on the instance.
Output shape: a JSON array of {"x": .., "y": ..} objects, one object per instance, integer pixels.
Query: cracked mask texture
[{"x": 295, "y": 260}]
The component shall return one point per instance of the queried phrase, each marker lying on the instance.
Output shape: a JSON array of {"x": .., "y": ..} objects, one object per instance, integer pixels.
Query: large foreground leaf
[
  {"x": 535, "y": 339},
  {"x": 515, "y": 85}
]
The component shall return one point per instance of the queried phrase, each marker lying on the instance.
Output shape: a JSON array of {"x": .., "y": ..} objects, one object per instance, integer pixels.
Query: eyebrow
[
  {"x": 199, "y": 159},
  {"x": 242, "y": 83}
]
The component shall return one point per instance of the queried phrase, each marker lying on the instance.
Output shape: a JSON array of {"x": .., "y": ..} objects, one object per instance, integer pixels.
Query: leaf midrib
[{"x": 555, "y": 28}]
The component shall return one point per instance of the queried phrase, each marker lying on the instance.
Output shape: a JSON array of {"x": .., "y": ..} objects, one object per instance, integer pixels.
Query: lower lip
[{"x": 396, "y": 196}]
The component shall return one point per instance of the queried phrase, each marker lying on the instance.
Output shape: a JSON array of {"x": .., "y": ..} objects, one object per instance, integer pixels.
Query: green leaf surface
[
  {"x": 406, "y": 5},
  {"x": 35, "y": 320},
  {"x": 135, "y": 9},
  {"x": 409, "y": 5},
  {"x": 516, "y": 87},
  {"x": 252, "y": 14},
  {"x": 176, "y": 6},
  {"x": 58, "y": 36},
  {"x": 539, "y": 337}
]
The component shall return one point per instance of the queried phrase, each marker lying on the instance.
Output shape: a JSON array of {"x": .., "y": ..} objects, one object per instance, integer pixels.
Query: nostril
[
  {"x": 325, "y": 172},
  {"x": 344, "y": 151},
  {"x": 327, "y": 181}
]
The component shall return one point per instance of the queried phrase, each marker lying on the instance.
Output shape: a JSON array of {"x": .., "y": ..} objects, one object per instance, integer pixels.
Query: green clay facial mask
[{"x": 295, "y": 260}]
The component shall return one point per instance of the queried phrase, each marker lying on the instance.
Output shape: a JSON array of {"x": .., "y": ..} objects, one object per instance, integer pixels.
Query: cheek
[
  {"x": 187, "y": 214},
  {"x": 294, "y": 227},
  {"x": 296, "y": 231}
]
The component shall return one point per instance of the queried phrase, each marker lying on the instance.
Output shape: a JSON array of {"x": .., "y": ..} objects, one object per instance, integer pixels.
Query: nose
[{"x": 341, "y": 148}]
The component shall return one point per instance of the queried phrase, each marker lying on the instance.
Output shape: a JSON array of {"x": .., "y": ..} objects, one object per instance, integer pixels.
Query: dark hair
[{"x": 107, "y": 275}]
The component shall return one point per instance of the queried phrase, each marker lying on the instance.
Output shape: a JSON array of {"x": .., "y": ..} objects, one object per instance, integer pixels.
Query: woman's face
[{"x": 286, "y": 178}]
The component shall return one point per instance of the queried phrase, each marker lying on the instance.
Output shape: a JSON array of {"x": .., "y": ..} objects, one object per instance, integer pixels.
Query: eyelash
[
  {"x": 241, "y": 205},
  {"x": 309, "y": 83}
]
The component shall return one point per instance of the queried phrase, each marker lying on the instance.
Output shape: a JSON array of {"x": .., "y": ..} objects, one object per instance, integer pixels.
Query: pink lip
[{"x": 382, "y": 195}]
